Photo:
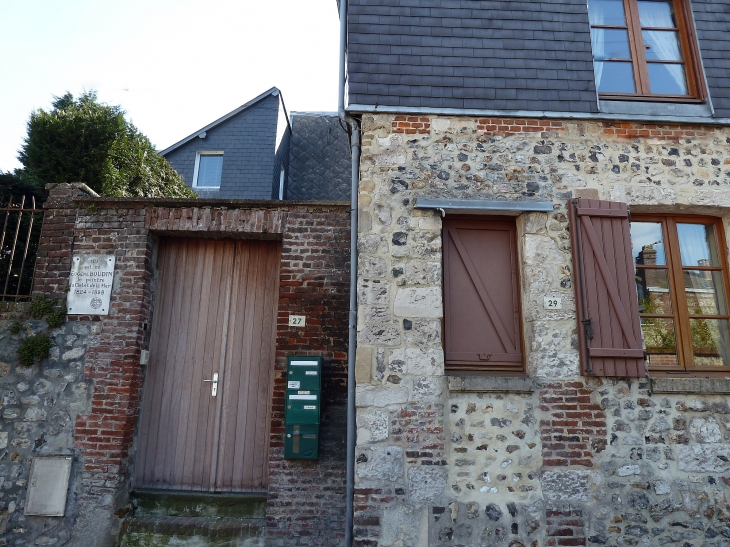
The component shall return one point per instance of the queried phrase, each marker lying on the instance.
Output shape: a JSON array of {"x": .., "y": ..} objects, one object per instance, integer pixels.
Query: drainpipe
[{"x": 352, "y": 333}]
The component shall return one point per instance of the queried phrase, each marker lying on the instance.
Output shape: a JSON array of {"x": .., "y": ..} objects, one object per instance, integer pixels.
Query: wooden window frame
[
  {"x": 680, "y": 314},
  {"x": 697, "y": 92},
  {"x": 486, "y": 368}
]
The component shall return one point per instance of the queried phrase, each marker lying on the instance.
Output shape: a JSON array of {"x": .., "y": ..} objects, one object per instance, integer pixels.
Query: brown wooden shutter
[
  {"x": 609, "y": 330},
  {"x": 481, "y": 298}
]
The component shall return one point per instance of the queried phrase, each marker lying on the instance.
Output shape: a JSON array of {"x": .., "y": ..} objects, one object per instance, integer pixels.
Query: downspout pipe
[{"x": 354, "y": 128}]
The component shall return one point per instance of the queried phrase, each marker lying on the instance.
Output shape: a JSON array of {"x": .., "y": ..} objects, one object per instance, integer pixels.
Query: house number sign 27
[
  {"x": 297, "y": 320},
  {"x": 90, "y": 284}
]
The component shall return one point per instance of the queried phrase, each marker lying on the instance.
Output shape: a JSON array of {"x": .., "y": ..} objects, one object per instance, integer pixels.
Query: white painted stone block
[
  {"x": 424, "y": 363},
  {"x": 380, "y": 396},
  {"x": 418, "y": 302}
]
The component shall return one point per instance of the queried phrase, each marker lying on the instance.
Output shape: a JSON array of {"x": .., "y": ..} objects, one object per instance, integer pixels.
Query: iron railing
[{"x": 21, "y": 231}]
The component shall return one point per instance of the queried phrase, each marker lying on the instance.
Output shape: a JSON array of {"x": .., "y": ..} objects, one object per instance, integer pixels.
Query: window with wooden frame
[
  {"x": 682, "y": 284},
  {"x": 482, "y": 326},
  {"x": 645, "y": 50}
]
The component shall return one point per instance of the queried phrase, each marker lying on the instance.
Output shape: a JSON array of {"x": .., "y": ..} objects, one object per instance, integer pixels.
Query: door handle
[{"x": 214, "y": 388}]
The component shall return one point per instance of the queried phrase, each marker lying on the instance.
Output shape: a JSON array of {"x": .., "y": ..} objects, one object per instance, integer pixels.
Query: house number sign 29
[
  {"x": 553, "y": 303},
  {"x": 90, "y": 284}
]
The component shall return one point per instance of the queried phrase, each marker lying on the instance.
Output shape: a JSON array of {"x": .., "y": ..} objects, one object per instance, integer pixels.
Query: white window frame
[{"x": 197, "y": 165}]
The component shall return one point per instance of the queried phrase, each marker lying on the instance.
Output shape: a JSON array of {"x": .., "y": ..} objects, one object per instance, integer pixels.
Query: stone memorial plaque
[
  {"x": 48, "y": 486},
  {"x": 90, "y": 284}
]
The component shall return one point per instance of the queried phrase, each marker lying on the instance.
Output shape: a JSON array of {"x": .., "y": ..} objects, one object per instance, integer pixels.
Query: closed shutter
[
  {"x": 481, "y": 299},
  {"x": 609, "y": 330}
]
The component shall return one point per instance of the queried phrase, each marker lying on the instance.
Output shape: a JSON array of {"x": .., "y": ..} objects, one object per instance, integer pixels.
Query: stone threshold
[
  {"x": 172, "y": 503},
  {"x": 491, "y": 384},
  {"x": 706, "y": 386}
]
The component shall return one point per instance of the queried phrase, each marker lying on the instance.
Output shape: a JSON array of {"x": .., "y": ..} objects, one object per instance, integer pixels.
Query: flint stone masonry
[
  {"x": 40, "y": 404},
  {"x": 551, "y": 458}
]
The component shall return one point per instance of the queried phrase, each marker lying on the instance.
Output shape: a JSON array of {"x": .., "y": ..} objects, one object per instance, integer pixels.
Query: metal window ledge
[{"x": 483, "y": 206}]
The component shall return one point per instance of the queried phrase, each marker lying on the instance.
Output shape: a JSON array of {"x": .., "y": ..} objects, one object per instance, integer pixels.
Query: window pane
[
  {"x": 662, "y": 45},
  {"x": 667, "y": 79},
  {"x": 606, "y": 12},
  {"x": 698, "y": 245},
  {"x": 660, "y": 341},
  {"x": 705, "y": 292},
  {"x": 209, "y": 170},
  {"x": 612, "y": 77},
  {"x": 652, "y": 287},
  {"x": 656, "y": 14},
  {"x": 647, "y": 244},
  {"x": 610, "y": 44},
  {"x": 710, "y": 342}
]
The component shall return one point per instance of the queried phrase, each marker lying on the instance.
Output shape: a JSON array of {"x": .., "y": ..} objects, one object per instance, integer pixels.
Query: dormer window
[
  {"x": 644, "y": 49},
  {"x": 208, "y": 170}
]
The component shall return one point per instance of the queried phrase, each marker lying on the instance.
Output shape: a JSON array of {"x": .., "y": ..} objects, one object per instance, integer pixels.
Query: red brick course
[{"x": 576, "y": 426}]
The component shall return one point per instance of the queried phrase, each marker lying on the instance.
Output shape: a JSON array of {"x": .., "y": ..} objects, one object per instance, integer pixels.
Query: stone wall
[
  {"x": 39, "y": 405},
  {"x": 552, "y": 458}
]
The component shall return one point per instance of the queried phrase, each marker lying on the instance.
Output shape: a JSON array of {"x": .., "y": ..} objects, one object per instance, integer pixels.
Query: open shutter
[
  {"x": 609, "y": 330},
  {"x": 482, "y": 310}
]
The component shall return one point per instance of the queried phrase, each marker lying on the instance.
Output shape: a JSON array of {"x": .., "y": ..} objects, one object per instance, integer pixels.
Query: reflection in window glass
[
  {"x": 705, "y": 293},
  {"x": 698, "y": 245},
  {"x": 710, "y": 343},
  {"x": 652, "y": 287},
  {"x": 607, "y": 12},
  {"x": 210, "y": 167},
  {"x": 656, "y": 14},
  {"x": 647, "y": 244},
  {"x": 667, "y": 79},
  {"x": 615, "y": 45},
  {"x": 662, "y": 45},
  {"x": 613, "y": 77},
  {"x": 660, "y": 341}
]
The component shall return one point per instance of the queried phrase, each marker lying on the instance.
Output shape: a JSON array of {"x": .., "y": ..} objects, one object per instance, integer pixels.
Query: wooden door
[{"x": 215, "y": 312}]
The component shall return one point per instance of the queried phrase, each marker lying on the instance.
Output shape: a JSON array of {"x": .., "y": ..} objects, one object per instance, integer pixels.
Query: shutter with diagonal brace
[
  {"x": 609, "y": 330},
  {"x": 482, "y": 307}
]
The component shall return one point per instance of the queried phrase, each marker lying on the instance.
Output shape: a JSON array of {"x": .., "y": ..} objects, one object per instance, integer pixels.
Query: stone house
[{"x": 544, "y": 207}]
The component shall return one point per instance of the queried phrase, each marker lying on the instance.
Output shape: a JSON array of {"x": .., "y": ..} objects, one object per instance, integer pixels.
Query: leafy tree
[{"x": 83, "y": 140}]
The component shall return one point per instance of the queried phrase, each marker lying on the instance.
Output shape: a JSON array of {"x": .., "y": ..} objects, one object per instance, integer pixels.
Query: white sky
[{"x": 173, "y": 65}]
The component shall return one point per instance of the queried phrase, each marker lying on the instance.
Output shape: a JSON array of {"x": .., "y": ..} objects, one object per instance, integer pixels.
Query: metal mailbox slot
[
  {"x": 302, "y": 407},
  {"x": 301, "y": 442},
  {"x": 303, "y": 373}
]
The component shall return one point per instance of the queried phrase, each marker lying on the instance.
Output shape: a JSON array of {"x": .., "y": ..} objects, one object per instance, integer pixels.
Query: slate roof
[
  {"x": 712, "y": 21},
  {"x": 273, "y": 91},
  {"x": 317, "y": 160},
  {"x": 473, "y": 54},
  {"x": 497, "y": 55}
]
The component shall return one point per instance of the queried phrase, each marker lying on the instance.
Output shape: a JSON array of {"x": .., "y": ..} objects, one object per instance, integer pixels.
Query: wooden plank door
[{"x": 215, "y": 312}]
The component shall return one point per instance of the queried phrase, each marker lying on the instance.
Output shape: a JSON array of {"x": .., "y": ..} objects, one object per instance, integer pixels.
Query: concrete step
[
  {"x": 198, "y": 504},
  {"x": 191, "y": 531},
  {"x": 193, "y": 519}
]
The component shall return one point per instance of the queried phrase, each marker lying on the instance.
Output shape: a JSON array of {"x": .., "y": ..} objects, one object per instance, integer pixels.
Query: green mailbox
[
  {"x": 302, "y": 410},
  {"x": 303, "y": 373},
  {"x": 301, "y": 442},
  {"x": 302, "y": 407}
]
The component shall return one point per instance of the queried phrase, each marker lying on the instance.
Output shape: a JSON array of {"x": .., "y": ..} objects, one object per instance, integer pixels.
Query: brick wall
[{"x": 305, "y": 498}]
